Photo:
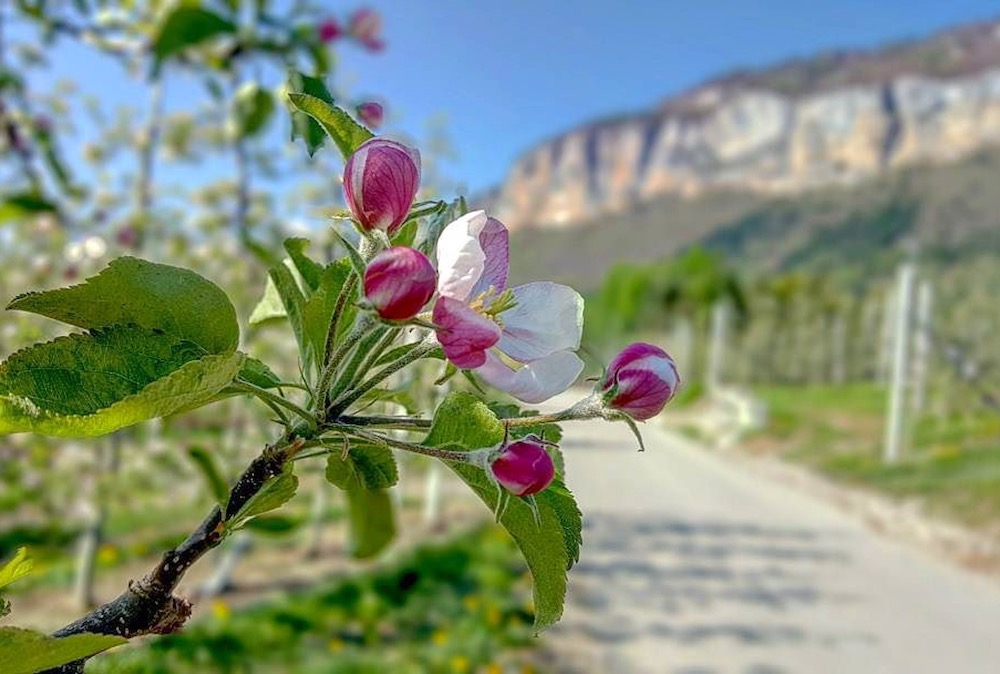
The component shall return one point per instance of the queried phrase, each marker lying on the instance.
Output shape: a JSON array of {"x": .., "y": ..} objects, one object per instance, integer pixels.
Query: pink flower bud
[
  {"x": 329, "y": 30},
  {"x": 127, "y": 237},
  {"x": 640, "y": 381},
  {"x": 365, "y": 26},
  {"x": 371, "y": 114},
  {"x": 399, "y": 282},
  {"x": 524, "y": 467},
  {"x": 380, "y": 182}
]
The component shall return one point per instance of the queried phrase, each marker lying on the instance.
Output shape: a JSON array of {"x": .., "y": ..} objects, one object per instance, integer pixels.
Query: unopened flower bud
[
  {"x": 381, "y": 180},
  {"x": 399, "y": 282},
  {"x": 365, "y": 26},
  {"x": 640, "y": 381},
  {"x": 127, "y": 237},
  {"x": 524, "y": 467},
  {"x": 371, "y": 114},
  {"x": 329, "y": 30}
]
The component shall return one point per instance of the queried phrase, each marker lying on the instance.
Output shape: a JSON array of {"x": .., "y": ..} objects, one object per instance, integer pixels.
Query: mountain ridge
[{"x": 839, "y": 118}]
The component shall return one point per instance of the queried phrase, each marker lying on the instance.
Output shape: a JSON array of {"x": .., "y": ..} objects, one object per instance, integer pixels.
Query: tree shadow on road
[{"x": 668, "y": 585}]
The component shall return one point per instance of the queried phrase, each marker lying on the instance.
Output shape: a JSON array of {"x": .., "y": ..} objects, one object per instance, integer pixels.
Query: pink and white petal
[
  {"x": 463, "y": 334},
  {"x": 460, "y": 256},
  {"x": 548, "y": 318},
  {"x": 535, "y": 382},
  {"x": 495, "y": 242}
]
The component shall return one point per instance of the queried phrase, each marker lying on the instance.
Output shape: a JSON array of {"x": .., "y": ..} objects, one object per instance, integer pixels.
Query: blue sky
[
  {"x": 508, "y": 74},
  {"x": 511, "y": 73}
]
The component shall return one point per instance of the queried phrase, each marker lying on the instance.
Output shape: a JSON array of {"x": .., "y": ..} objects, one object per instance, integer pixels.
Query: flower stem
[
  {"x": 404, "y": 423},
  {"x": 268, "y": 397},
  {"x": 590, "y": 407},
  {"x": 416, "y": 448},
  {"x": 392, "y": 368},
  {"x": 333, "y": 360}
]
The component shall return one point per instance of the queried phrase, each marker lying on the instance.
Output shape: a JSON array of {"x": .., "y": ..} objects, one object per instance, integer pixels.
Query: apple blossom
[
  {"x": 524, "y": 467},
  {"x": 381, "y": 180},
  {"x": 640, "y": 380},
  {"x": 329, "y": 30},
  {"x": 398, "y": 283},
  {"x": 520, "y": 340},
  {"x": 365, "y": 26},
  {"x": 371, "y": 114}
]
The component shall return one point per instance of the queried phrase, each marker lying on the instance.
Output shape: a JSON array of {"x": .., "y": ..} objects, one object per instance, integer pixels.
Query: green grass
[
  {"x": 951, "y": 464},
  {"x": 456, "y": 607}
]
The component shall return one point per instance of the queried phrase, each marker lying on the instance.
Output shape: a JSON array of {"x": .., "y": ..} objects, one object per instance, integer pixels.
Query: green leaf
[
  {"x": 154, "y": 296},
  {"x": 276, "y": 492},
  {"x": 304, "y": 126},
  {"x": 91, "y": 384},
  {"x": 366, "y": 466},
  {"x": 274, "y": 525},
  {"x": 17, "y": 206},
  {"x": 258, "y": 374},
  {"x": 550, "y": 546},
  {"x": 294, "y": 302},
  {"x": 253, "y": 108},
  {"x": 186, "y": 25},
  {"x": 372, "y": 519},
  {"x": 26, "y": 652},
  {"x": 402, "y": 397},
  {"x": 406, "y": 235},
  {"x": 365, "y": 474},
  {"x": 310, "y": 270},
  {"x": 15, "y": 569},
  {"x": 210, "y": 470},
  {"x": 270, "y": 307},
  {"x": 396, "y": 353},
  {"x": 318, "y": 310},
  {"x": 345, "y": 132},
  {"x": 353, "y": 254}
]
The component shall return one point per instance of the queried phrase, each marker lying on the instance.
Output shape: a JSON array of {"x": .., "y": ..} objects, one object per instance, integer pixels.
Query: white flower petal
[
  {"x": 460, "y": 256},
  {"x": 548, "y": 318},
  {"x": 535, "y": 382}
]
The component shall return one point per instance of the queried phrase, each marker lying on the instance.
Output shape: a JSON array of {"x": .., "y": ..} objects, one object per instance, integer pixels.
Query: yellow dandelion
[
  {"x": 493, "y": 616},
  {"x": 460, "y": 663},
  {"x": 335, "y": 645},
  {"x": 439, "y": 638},
  {"x": 221, "y": 610},
  {"x": 108, "y": 554}
]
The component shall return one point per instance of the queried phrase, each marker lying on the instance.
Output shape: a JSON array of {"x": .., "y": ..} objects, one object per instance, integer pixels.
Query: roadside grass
[
  {"x": 950, "y": 464},
  {"x": 458, "y": 606}
]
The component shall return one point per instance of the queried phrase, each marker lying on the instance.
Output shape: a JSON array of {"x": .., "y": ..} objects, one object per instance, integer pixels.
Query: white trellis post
[
  {"x": 922, "y": 345},
  {"x": 718, "y": 346},
  {"x": 900, "y": 364},
  {"x": 681, "y": 346},
  {"x": 838, "y": 356},
  {"x": 886, "y": 338}
]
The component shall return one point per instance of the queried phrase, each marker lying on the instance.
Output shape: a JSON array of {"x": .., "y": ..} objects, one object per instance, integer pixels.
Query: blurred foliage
[
  {"x": 951, "y": 463},
  {"x": 453, "y": 607}
]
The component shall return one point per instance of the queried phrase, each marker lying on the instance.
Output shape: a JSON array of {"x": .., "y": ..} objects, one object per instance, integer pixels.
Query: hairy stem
[
  {"x": 268, "y": 397},
  {"x": 421, "y": 351},
  {"x": 403, "y": 423}
]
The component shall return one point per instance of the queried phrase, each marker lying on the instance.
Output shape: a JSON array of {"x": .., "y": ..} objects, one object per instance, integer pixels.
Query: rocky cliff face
[{"x": 836, "y": 119}]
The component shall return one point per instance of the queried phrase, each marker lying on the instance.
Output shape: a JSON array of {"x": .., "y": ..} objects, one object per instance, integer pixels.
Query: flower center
[{"x": 491, "y": 303}]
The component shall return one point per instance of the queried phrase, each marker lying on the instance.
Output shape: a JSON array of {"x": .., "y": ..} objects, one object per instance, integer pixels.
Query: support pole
[
  {"x": 900, "y": 363},
  {"x": 922, "y": 346}
]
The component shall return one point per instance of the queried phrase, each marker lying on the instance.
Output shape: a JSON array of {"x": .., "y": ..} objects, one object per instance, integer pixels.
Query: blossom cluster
[{"x": 521, "y": 340}]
